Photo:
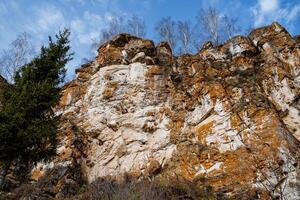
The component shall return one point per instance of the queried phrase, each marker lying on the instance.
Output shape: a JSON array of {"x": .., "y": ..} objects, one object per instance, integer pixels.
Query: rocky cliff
[{"x": 226, "y": 117}]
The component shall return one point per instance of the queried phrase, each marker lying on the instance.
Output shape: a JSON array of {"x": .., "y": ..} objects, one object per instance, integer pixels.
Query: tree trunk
[{"x": 3, "y": 172}]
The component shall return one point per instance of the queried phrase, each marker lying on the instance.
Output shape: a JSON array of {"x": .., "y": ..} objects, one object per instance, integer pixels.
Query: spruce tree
[{"x": 28, "y": 125}]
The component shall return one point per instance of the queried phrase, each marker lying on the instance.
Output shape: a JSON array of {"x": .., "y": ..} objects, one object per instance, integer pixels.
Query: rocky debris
[{"x": 226, "y": 117}]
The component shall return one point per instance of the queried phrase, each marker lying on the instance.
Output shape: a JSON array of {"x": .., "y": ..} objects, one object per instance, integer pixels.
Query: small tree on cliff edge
[{"x": 28, "y": 125}]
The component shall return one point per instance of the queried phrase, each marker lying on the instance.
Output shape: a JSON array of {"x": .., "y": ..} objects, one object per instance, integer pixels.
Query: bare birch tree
[
  {"x": 185, "y": 36},
  {"x": 215, "y": 26},
  {"x": 210, "y": 22},
  {"x": 229, "y": 26},
  {"x": 115, "y": 27},
  {"x": 136, "y": 26},
  {"x": 166, "y": 29},
  {"x": 18, "y": 54}
]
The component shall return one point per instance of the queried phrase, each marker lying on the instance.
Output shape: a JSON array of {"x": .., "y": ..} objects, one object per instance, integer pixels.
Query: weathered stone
[
  {"x": 140, "y": 57},
  {"x": 122, "y": 49},
  {"x": 274, "y": 34},
  {"x": 226, "y": 118},
  {"x": 239, "y": 45},
  {"x": 207, "y": 45},
  {"x": 153, "y": 168},
  {"x": 164, "y": 54}
]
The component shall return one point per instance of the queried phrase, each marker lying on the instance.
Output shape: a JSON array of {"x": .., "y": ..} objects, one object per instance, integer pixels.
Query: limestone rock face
[{"x": 226, "y": 117}]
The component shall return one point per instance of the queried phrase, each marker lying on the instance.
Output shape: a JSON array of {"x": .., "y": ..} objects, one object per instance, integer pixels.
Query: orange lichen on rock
[
  {"x": 220, "y": 118},
  {"x": 203, "y": 130}
]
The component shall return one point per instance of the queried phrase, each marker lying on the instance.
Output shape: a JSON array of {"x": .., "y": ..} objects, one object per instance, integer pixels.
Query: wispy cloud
[
  {"x": 293, "y": 13},
  {"x": 87, "y": 27},
  {"x": 266, "y": 11},
  {"x": 268, "y": 6},
  {"x": 48, "y": 18}
]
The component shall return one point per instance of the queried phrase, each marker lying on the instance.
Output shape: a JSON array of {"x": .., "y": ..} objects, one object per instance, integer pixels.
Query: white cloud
[
  {"x": 84, "y": 27},
  {"x": 294, "y": 12},
  {"x": 85, "y": 18},
  {"x": 267, "y": 6},
  {"x": 87, "y": 38},
  {"x": 78, "y": 25},
  {"x": 46, "y": 19},
  {"x": 109, "y": 16},
  {"x": 49, "y": 18},
  {"x": 87, "y": 27},
  {"x": 93, "y": 19},
  {"x": 7, "y": 7},
  {"x": 267, "y": 11}
]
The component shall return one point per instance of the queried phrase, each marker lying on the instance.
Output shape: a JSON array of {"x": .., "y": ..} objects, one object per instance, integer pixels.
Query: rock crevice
[{"x": 226, "y": 117}]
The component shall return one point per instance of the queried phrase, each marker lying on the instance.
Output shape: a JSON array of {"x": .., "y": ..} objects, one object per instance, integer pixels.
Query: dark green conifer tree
[{"x": 28, "y": 125}]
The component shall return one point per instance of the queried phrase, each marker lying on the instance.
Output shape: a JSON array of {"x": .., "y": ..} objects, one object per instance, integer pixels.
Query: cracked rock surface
[{"x": 226, "y": 117}]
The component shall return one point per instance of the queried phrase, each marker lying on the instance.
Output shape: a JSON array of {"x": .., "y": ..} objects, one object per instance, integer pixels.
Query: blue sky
[{"x": 86, "y": 18}]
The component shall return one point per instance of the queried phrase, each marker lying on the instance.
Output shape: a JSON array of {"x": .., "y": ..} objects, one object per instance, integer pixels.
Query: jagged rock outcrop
[{"x": 226, "y": 117}]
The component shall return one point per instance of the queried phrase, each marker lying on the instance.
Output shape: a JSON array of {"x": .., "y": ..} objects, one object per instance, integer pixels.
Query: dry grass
[{"x": 144, "y": 190}]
